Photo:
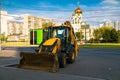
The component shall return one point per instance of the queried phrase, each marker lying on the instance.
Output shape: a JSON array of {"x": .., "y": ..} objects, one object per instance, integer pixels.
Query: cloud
[
  {"x": 93, "y": 15},
  {"x": 48, "y": 6},
  {"x": 16, "y": 18},
  {"x": 114, "y": 2},
  {"x": 100, "y": 14},
  {"x": 57, "y": 16},
  {"x": 48, "y": 10}
]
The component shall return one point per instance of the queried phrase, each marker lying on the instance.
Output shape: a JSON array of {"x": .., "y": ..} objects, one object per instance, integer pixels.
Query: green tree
[
  {"x": 97, "y": 35},
  {"x": 114, "y": 35},
  {"x": 79, "y": 35},
  {"x": 106, "y": 35},
  {"x": 3, "y": 37},
  {"x": 47, "y": 24},
  {"x": 109, "y": 34},
  {"x": 119, "y": 36}
]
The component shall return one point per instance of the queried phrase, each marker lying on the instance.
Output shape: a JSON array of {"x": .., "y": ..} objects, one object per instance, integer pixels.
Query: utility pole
[
  {"x": 33, "y": 34},
  {"x": 85, "y": 27},
  {"x": 32, "y": 26},
  {"x": 85, "y": 34},
  {"x": 0, "y": 25}
]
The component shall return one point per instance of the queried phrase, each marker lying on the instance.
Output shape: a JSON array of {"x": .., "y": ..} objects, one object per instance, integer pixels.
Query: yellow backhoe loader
[{"x": 60, "y": 47}]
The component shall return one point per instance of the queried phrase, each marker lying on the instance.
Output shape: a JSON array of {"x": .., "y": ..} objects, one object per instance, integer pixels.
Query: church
[
  {"x": 77, "y": 19},
  {"x": 80, "y": 26}
]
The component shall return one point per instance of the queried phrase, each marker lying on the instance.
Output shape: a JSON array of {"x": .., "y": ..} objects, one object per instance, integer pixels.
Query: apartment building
[
  {"x": 33, "y": 22},
  {"x": 15, "y": 27},
  {"x": 114, "y": 24},
  {"x": 3, "y": 22},
  {"x": 117, "y": 25}
]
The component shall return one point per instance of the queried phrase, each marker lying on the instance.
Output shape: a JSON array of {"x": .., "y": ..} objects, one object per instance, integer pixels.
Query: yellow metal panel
[
  {"x": 50, "y": 42},
  {"x": 55, "y": 49}
]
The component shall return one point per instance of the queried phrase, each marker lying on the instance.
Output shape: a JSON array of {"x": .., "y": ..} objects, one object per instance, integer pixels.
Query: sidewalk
[
  {"x": 8, "y": 57},
  {"x": 9, "y": 53}
]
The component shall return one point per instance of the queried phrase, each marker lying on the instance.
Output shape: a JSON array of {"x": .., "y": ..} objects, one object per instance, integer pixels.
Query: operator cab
[{"x": 61, "y": 32}]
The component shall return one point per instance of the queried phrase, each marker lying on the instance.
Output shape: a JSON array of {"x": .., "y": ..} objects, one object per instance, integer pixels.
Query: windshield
[{"x": 59, "y": 32}]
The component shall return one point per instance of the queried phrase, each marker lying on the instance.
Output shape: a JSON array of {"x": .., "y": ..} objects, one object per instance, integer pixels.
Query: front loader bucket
[{"x": 44, "y": 62}]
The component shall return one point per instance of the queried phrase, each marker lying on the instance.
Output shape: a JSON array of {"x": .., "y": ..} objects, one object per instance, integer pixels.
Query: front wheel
[
  {"x": 56, "y": 65},
  {"x": 71, "y": 58}
]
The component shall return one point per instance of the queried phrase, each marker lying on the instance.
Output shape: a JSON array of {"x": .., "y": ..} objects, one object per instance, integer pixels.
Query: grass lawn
[{"x": 101, "y": 45}]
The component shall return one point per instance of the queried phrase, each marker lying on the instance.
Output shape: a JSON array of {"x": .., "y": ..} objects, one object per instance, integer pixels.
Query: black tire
[
  {"x": 62, "y": 60},
  {"x": 71, "y": 58}
]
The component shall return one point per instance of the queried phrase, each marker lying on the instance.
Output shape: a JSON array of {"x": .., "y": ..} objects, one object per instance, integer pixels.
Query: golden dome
[{"x": 78, "y": 11}]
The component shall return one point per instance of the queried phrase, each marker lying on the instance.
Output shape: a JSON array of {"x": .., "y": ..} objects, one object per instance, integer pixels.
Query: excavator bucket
[{"x": 44, "y": 61}]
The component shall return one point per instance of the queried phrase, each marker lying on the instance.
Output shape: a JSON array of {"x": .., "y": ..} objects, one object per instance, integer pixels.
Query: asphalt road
[
  {"x": 93, "y": 63},
  {"x": 97, "y": 63}
]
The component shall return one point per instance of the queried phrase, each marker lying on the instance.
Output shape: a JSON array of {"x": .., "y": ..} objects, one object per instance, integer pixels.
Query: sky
[{"x": 94, "y": 13}]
